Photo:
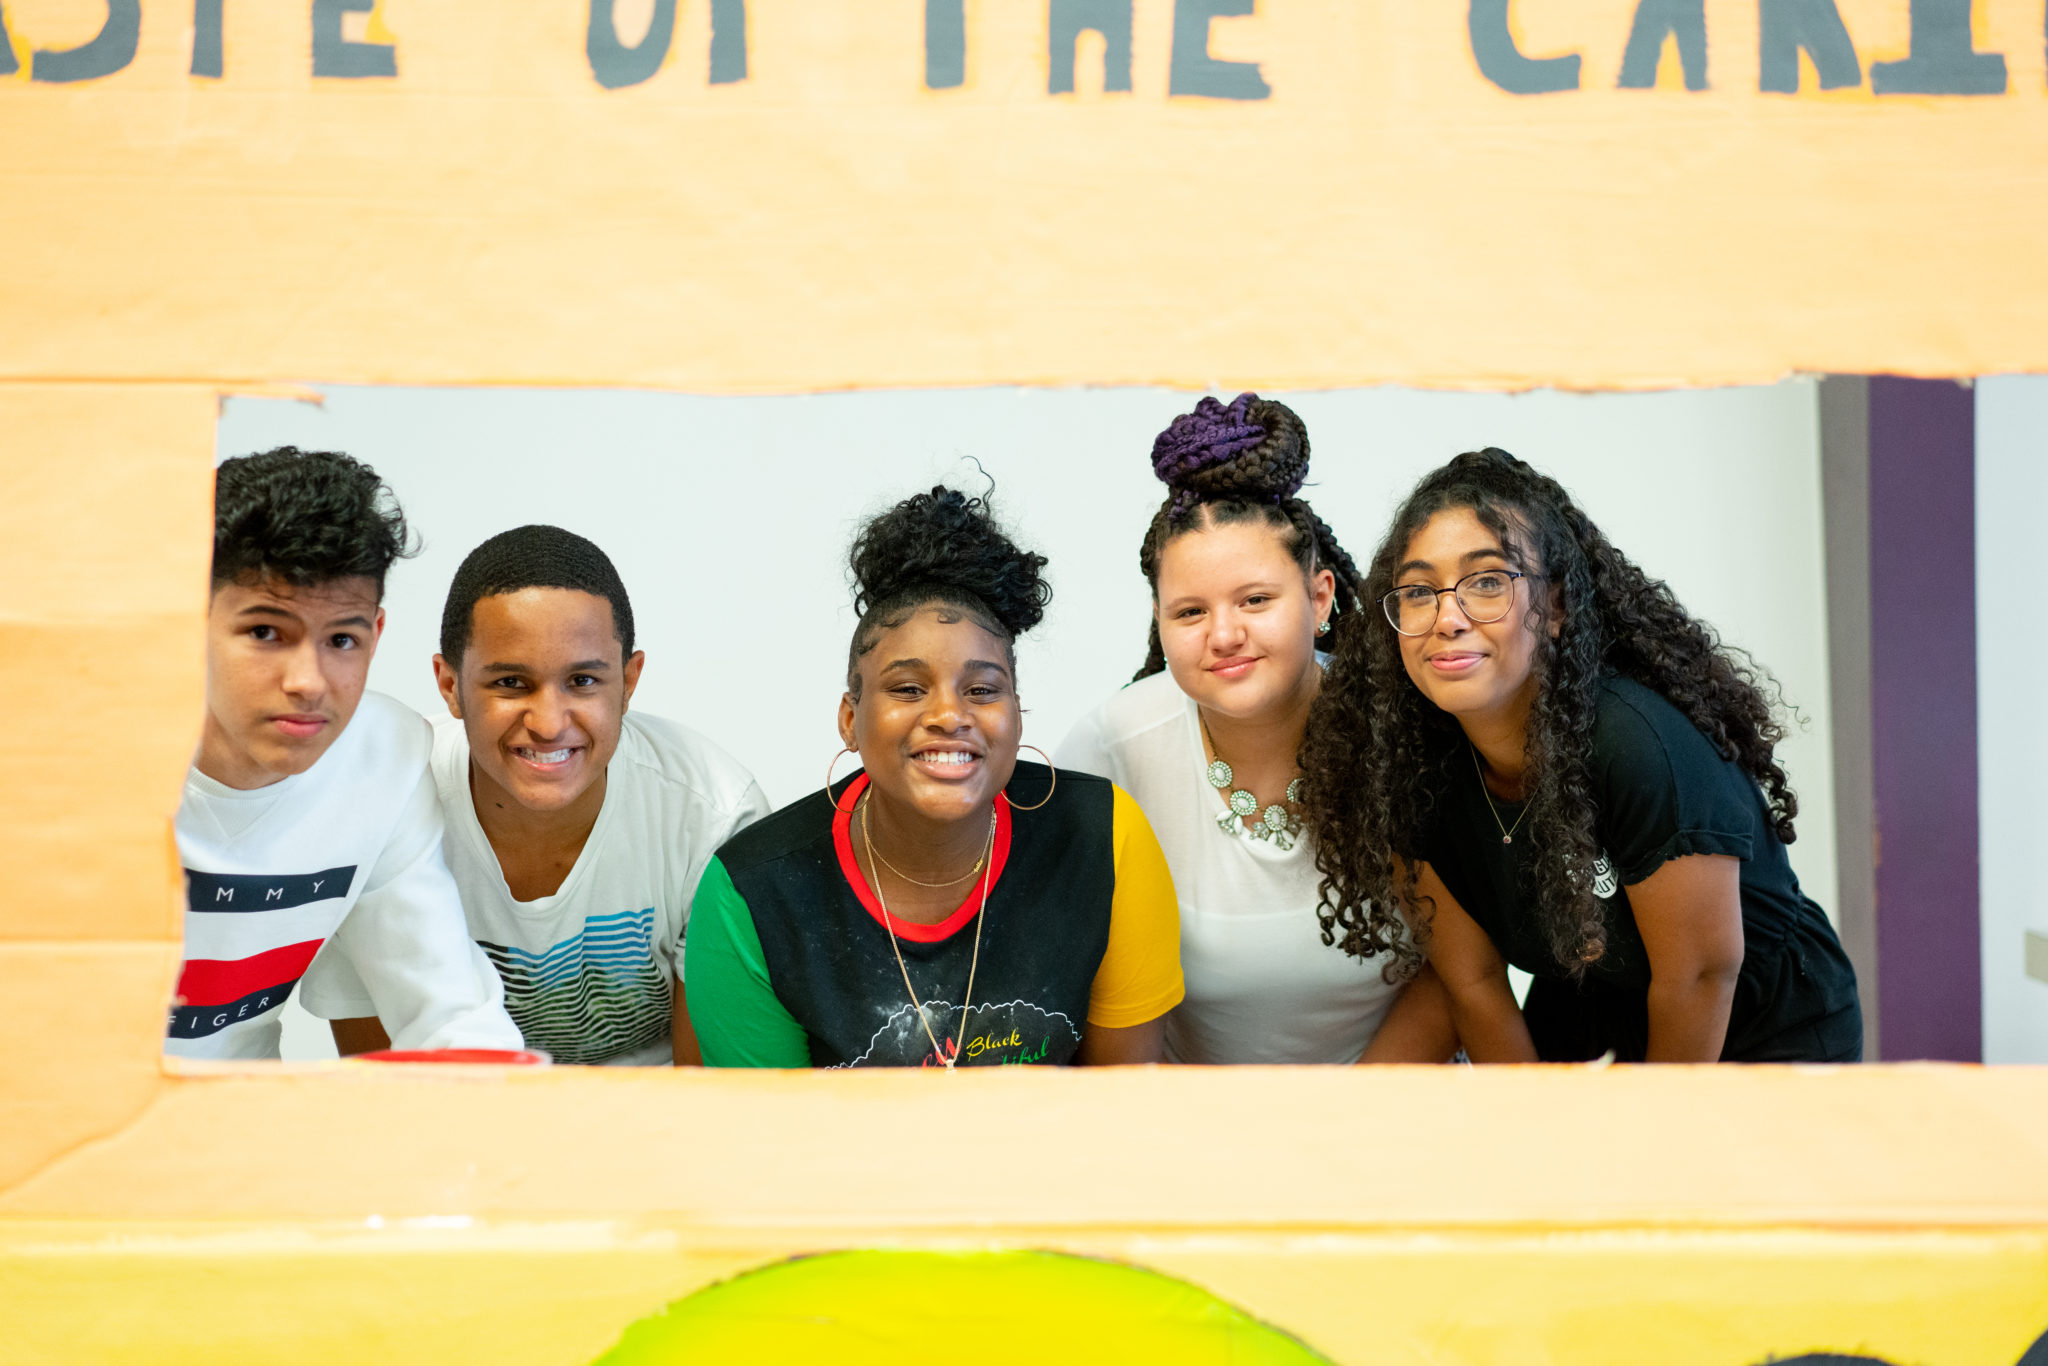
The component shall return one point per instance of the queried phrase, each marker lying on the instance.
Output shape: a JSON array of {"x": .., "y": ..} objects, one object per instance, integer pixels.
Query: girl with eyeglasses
[
  {"x": 1545, "y": 761},
  {"x": 944, "y": 905},
  {"x": 1246, "y": 579}
]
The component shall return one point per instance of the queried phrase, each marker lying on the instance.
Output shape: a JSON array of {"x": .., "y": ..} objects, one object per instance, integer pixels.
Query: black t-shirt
[{"x": 1661, "y": 791}]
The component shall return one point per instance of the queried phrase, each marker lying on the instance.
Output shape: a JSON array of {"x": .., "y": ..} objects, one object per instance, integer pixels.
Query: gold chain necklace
[
  {"x": 867, "y": 838},
  {"x": 1507, "y": 832},
  {"x": 920, "y": 882}
]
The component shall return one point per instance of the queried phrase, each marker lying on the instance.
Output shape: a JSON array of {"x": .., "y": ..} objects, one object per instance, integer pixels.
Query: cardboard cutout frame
[{"x": 244, "y": 200}]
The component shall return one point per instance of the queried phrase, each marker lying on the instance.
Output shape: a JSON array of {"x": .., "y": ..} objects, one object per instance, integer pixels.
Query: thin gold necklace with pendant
[
  {"x": 1507, "y": 832},
  {"x": 987, "y": 865}
]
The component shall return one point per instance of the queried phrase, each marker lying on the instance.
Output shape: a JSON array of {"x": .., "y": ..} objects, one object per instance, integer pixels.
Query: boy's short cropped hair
[
  {"x": 303, "y": 518},
  {"x": 531, "y": 557}
]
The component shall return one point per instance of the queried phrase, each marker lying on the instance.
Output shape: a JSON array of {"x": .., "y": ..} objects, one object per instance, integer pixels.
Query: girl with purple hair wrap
[{"x": 1246, "y": 580}]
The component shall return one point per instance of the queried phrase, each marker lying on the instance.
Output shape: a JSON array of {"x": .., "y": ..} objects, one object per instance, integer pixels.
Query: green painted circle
[{"x": 1042, "y": 1308}]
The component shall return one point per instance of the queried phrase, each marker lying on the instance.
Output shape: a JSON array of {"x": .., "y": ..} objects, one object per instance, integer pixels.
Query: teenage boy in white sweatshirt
[
  {"x": 309, "y": 829},
  {"x": 577, "y": 829}
]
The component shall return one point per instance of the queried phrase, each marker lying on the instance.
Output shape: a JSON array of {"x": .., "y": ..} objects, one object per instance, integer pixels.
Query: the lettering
[
  {"x": 341, "y": 58},
  {"x": 728, "y": 41},
  {"x": 1788, "y": 27},
  {"x": 1193, "y": 71},
  {"x": 208, "y": 57},
  {"x": 1030, "y": 1056},
  {"x": 108, "y": 51},
  {"x": 210, "y": 893},
  {"x": 1502, "y": 62},
  {"x": 1943, "y": 57},
  {"x": 986, "y": 1042},
  {"x": 945, "y": 44},
  {"x": 1656, "y": 20},
  {"x": 1067, "y": 20}
]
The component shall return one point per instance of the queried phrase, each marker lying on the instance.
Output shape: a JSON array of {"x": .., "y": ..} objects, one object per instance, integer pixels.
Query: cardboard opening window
[{"x": 736, "y": 196}]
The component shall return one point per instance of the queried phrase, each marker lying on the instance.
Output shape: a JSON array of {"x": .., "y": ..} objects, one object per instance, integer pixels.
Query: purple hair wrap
[{"x": 1211, "y": 435}]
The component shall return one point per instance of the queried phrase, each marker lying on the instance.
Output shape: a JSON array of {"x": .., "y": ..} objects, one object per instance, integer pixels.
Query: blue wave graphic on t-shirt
[{"x": 594, "y": 995}]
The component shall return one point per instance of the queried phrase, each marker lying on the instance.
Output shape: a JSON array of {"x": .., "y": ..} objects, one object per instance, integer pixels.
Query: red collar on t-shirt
[{"x": 842, "y": 841}]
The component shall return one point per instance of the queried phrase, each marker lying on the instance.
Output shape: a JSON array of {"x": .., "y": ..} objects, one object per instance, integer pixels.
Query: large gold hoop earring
[
  {"x": 1050, "y": 789},
  {"x": 843, "y": 749}
]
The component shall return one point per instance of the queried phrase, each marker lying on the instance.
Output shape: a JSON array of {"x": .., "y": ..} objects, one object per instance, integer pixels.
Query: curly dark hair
[
  {"x": 531, "y": 557},
  {"x": 942, "y": 547},
  {"x": 304, "y": 518},
  {"x": 1243, "y": 462},
  {"x": 1378, "y": 753}
]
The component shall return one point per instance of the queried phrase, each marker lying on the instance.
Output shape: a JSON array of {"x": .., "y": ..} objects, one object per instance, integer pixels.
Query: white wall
[
  {"x": 2012, "y": 744},
  {"x": 729, "y": 520}
]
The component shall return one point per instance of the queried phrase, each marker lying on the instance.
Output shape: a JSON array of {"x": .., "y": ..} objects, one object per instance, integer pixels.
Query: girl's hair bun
[
  {"x": 946, "y": 546},
  {"x": 1252, "y": 450}
]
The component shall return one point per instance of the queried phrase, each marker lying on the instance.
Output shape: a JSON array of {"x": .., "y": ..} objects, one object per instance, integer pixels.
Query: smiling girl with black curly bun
[
  {"x": 1551, "y": 764},
  {"x": 911, "y": 914}
]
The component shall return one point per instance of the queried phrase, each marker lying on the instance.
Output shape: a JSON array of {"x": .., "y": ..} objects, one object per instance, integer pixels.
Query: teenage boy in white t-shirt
[
  {"x": 577, "y": 830},
  {"x": 309, "y": 830}
]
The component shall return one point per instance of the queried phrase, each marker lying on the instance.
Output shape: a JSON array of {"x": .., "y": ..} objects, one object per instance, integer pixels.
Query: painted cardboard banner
[{"x": 762, "y": 195}]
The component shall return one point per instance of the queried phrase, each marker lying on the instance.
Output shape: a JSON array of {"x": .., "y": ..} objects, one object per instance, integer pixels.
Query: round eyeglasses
[{"x": 1486, "y": 595}]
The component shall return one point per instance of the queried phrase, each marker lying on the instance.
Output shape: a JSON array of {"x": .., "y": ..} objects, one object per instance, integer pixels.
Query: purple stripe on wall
[{"x": 1923, "y": 705}]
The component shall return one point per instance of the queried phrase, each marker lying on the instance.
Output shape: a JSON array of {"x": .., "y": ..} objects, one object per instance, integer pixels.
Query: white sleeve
[
  {"x": 752, "y": 806},
  {"x": 404, "y": 949},
  {"x": 1084, "y": 751}
]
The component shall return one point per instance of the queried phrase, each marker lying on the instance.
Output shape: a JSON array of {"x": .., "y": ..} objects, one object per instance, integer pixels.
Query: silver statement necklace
[
  {"x": 1507, "y": 832},
  {"x": 1276, "y": 823}
]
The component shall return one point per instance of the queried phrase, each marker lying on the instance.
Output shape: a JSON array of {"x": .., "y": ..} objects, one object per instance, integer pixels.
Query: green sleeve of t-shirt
[{"x": 733, "y": 1007}]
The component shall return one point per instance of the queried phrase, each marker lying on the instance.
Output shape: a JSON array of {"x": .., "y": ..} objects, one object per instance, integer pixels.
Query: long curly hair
[
  {"x": 1241, "y": 462},
  {"x": 1379, "y": 755},
  {"x": 943, "y": 547}
]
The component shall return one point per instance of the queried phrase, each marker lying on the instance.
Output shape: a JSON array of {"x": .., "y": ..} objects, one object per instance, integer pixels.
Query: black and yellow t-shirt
[{"x": 788, "y": 964}]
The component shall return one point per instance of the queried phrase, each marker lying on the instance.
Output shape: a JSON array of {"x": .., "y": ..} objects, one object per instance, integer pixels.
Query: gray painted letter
[
  {"x": 945, "y": 44},
  {"x": 1193, "y": 71},
  {"x": 334, "y": 55},
  {"x": 1654, "y": 19},
  {"x": 1943, "y": 60},
  {"x": 110, "y": 50},
  {"x": 613, "y": 63},
  {"x": 1500, "y": 61},
  {"x": 1816, "y": 25},
  {"x": 728, "y": 41},
  {"x": 206, "y": 38},
  {"x": 8, "y": 66},
  {"x": 1065, "y": 19}
]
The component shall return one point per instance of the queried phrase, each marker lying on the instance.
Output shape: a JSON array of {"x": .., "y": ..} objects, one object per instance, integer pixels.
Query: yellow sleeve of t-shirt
[{"x": 1139, "y": 979}]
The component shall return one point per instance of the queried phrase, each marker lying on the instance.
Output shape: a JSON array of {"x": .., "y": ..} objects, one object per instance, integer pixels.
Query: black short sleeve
[{"x": 1662, "y": 789}]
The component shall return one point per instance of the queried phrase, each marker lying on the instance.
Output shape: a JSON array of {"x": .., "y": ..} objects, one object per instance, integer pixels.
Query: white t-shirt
[
  {"x": 1262, "y": 986},
  {"x": 590, "y": 971},
  {"x": 331, "y": 874}
]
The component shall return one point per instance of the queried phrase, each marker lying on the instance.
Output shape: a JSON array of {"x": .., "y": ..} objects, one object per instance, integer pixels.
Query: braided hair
[
  {"x": 1379, "y": 753},
  {"x": 1240, "y": 462},
  {"x": 941, "y": 547}
]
